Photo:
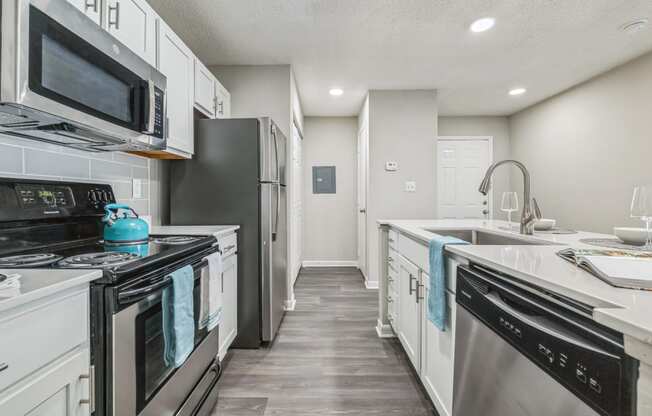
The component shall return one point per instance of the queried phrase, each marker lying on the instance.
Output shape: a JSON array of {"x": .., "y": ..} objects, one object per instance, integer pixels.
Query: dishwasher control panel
[{"x": 593, "y": 368}]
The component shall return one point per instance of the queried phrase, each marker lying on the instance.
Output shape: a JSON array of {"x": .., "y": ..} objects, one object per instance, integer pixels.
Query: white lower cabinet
[
  {"x": 409, "y": 328},
  {"x": 229, "y": 324},
  {"x": 430, "y": 350},
  {"x": 61, "y": 389},
  {"x": 437, "y": 360},
  {"x": 46, "y": 364}
]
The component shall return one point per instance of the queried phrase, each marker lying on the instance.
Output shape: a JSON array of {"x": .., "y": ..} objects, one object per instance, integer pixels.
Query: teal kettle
[{"x": 122, "y": 228}]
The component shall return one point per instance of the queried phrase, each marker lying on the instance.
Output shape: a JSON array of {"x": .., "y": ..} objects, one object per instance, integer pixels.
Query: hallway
[{"x": 326, "y": 360}]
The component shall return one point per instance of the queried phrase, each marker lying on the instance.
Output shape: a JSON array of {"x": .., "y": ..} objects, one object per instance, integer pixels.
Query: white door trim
[{"x": 490, "y": 140}]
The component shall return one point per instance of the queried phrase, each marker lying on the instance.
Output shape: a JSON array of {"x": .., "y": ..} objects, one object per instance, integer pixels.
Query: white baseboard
[
  {"x": 371, "y": 285},
  {"x": 330, "y": 263},
  {"x": 289, "y": 305},
  {"x": 384, "y": 330}
]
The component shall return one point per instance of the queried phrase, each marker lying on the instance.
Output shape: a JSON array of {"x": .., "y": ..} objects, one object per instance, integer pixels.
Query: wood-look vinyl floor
[{"x": 326, "y": 360}]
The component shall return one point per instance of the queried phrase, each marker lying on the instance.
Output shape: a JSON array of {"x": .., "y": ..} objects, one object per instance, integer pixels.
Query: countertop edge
[{"x": 50, "y": 290}]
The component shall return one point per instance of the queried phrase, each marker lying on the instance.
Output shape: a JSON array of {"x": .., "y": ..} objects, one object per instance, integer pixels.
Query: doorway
[
  {"x": 363, "y": 157},
  {"x": 461, "y": 164}
]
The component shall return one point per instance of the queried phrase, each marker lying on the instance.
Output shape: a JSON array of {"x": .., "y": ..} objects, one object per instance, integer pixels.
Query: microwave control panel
[{"x": 159, "y": 113}]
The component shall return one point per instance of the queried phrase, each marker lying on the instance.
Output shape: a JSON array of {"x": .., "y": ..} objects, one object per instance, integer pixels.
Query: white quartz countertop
[
  {"x": 214, "y": 230},
  {"x": 34, "y": 284},
  {"x": 625, "y": 310}
]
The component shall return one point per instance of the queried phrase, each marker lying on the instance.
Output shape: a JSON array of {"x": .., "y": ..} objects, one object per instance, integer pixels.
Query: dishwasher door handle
[{"x": 541, "y": 323}]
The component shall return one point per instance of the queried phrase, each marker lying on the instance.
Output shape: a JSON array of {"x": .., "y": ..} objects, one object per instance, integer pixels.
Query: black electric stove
[{"x": 58, "y": 225}]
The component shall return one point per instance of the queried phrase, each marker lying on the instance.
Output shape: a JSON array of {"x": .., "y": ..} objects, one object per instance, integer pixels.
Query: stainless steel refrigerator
[{"x": 237, "y": 176}]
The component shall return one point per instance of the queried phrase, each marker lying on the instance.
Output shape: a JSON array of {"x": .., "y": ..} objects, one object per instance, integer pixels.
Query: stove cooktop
[{"x": 114, "y": 259}]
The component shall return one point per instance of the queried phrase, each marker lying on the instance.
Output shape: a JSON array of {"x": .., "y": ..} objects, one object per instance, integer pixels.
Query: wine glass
[
  {"x": 509, "y": 204},
  {"x": 641, "y": 208}
]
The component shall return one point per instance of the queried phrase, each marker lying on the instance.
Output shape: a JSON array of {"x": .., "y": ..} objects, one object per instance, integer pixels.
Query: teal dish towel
[
  {"x": 178, "y": 317},
  {"x": 437, "y": 294}
]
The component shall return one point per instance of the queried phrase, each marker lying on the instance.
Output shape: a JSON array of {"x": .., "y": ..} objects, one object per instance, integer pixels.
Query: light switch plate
[
  {"x": 410, "y": 186},
  {"x": 391, "y": 166},
  {"x": 137, "y": 188}
]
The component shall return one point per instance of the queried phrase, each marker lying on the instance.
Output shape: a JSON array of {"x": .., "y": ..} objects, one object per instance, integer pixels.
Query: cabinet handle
[
  {"x": 390, "y": 279},
  {"x": 90, "y": 5},
  {"x": 412, "y": 278},
  {"x": 389, "y": 259},
  {"x": 389, "y": 299},
  {"x": 391, "y": 240},
  {"x": 419, "y": 286},
  {"x": 3, "y": 366},
  {"x": 116, "y": 13},
  {"x": 221, "y": 106},
  {"x": 91, "y": 388}
]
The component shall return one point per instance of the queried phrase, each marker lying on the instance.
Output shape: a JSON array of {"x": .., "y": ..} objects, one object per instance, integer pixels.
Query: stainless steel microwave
[{"x": 65, "y": 80}]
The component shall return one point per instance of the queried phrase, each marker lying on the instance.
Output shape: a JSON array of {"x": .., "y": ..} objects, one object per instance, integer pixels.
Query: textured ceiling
[{"x": 543, "y": 45}]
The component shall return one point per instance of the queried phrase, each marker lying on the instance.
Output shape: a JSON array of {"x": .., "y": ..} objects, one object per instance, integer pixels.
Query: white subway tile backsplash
[
  {"x": 101, "y": 169},
  {"x": 38, "y": 162},
  {"x": 29, "y": 159},
  {"x": 140, "y": 173},
  {"x": 130, "y": 159},
  {"x": 122, "y": 190},
  {"x": 11, "y": 159}
]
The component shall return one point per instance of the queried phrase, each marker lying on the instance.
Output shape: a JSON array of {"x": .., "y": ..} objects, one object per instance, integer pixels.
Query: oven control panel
[{"x": 44, "y": 196}]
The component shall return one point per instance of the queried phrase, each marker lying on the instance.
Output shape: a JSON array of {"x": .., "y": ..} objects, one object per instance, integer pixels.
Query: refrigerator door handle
[
  {"x": 278, "y": 209},
  {"x": 278, "y": 168}
]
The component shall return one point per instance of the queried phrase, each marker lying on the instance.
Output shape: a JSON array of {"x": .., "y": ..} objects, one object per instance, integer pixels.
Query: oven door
[
  {"x": 69, "y": 68},
  {"x": 143, "y": 383}
]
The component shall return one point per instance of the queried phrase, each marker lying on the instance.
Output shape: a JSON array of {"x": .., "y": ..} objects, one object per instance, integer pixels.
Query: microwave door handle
[{"x": 150, "y": 108}]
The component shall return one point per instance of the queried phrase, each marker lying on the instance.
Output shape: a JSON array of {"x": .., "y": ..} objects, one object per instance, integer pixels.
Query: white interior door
[
  {"x": 363, "y": 146},
  {"x": 297, "y": 203},
  {"x": 461, "y": 165}
]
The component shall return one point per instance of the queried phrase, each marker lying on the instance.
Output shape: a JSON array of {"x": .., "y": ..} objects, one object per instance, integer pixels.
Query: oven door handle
[{"x": 131, "y": 295}]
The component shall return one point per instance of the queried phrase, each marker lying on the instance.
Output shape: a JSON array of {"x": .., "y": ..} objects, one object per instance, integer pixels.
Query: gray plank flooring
[{"x": 326, "y": 360}]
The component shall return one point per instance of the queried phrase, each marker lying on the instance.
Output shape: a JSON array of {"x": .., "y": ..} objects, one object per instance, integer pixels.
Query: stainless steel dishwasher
[{"x": 522, "y": 351}]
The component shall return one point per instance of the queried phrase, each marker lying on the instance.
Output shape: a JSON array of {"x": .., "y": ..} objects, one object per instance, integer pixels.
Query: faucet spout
[{"x": 527, "y": 216}]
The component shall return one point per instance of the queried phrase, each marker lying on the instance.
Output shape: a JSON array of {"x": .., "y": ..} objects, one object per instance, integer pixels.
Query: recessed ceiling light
[
  {"x": 483, "y": 24},
  {"x": 517, "y": 91},
  {"x": 336, "y": 92},
  {"x": 634, "y": 26}
]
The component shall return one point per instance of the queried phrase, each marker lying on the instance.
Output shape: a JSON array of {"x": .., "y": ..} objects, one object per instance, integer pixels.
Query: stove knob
[{"x": 92, "y": 196}]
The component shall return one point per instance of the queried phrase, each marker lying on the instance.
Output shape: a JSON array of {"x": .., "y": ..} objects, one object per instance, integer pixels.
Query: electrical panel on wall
[{"x": 323, "y": 180}]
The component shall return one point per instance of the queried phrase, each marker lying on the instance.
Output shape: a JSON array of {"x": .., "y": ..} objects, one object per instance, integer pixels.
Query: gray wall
[
  {"x": 330, "y": 221},
  {"x": 259, "y": 90},
  {"x": 498, "y": 128},
  {"x": 587, "y": 147},
  {"x": 402, "y": 128},
  {"x": 30, "y": 159}
]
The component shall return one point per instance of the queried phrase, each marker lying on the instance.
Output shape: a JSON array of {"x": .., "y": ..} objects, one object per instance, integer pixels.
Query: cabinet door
[
  {"x": 133, "y": 22},
  {"x": 61, "y": 390},
  {"x": 205, "y": 90},
  {"x": 229, "y": 324},
  {"x": 410, "y": 312},
  {"x": 90, "y": 8},
  {"x": 176, "y": 62},
  {"x": 437, "y": 360},
  {"x": 223, "y": 97}
]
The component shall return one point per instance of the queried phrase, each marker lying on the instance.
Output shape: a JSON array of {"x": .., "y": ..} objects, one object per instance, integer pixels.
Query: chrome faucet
[{"x": 528, "y": 218}]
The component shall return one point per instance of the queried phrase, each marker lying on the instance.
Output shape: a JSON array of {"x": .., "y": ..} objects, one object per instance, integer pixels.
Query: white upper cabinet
[
  {"x": 176, "y": 62},
  {"x": 133, "y": 22},
  {"x": 223, "y": 101},
  {"x": 91, "y": 8},
  {"x": 205, "y": 90}
]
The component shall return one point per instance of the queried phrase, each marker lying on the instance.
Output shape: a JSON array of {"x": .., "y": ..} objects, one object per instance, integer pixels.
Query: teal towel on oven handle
[
  {"x": 437, "y": 292},
  {"x": 178, "y": 317}
]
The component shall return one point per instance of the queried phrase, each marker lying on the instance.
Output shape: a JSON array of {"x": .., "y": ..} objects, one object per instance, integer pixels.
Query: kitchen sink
[{"x": 483, "y": 238}]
